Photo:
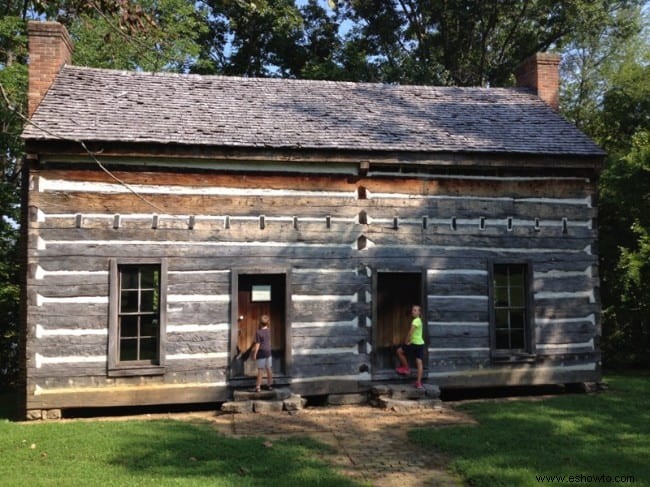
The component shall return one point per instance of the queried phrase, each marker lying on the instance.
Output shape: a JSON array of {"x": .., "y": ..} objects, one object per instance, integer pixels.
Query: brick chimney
[
  {"x": 541, "y": 73},
  {"x": 50, "y": 48}
]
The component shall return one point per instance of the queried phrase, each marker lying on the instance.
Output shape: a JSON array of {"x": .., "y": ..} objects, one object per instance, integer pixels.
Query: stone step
[
  {"x": 272, "y": 395},
  {"x": 264, "y": 401}
]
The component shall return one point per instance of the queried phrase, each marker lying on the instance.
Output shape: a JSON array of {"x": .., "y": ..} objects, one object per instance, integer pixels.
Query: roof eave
[{"x": 473, "y": 158}]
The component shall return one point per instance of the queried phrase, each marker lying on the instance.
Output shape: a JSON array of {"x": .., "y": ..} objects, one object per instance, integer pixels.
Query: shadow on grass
[
  {"x": 514, "y": 442},
  {"x": 171, "y": 450},
  {"x": 156, "y": 453}
]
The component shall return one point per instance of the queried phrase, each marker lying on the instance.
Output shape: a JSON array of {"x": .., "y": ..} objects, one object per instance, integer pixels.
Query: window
[
  {"x": 137, "y": 318},
  {"x": 510, "y": 313}
]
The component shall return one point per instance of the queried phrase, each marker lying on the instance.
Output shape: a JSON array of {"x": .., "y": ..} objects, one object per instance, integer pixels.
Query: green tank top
[{"x": 416, "y": 338}]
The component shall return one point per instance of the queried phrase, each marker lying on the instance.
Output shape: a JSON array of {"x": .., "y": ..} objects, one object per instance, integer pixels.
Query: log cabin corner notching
[{"x": 165, "y": 213}]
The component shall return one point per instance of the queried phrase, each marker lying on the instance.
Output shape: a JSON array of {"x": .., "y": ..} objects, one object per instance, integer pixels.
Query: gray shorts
[{"x": 263, "y": 363}]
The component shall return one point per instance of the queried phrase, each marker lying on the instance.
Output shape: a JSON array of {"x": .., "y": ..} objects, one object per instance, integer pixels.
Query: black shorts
[{"x": 415, "y": 351}]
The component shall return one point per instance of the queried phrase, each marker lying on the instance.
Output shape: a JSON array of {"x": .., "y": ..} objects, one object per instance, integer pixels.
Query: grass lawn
[
  {"x": 154, "y": 453},
  {"x": 598, "y": 439},
  {"x": 592, "y": 437}
]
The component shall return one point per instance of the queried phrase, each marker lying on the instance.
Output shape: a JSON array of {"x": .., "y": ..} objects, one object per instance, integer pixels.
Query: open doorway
[
  {"x": 395, "y": 293},
  {"x": 257, "y": 295}
]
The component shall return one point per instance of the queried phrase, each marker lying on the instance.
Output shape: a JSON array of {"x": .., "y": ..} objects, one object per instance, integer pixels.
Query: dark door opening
[
  {"x": 257, "y": 295},
  {"x": 396, "y": 293}
]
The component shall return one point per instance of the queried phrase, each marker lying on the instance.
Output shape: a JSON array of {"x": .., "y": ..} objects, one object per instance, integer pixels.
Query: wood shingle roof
[{"x": 134, "y": 107}]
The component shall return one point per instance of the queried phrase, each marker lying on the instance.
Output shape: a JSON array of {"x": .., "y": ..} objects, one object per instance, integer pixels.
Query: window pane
[
  {"x": 517, "y": 276},
  {"x": 128, "y": 349},
  {"x": 501, "y": 297},
  {"x": 149, "y": 278},
  {"x": 517, "y": 297},
  {"x": 501, "y": 318},
  {"x": 517, "y": 338},
  {"x": 148, "y": 303},
  {"x": 517, "y": 319},
  {"x": 129, "y": 302},
  {"x": 128, "y": 326},
  {"x": 149, "y": 326},
  {"x": 502, "y": 339},
  {"x": 148, "y": 349},
  {"x": 500, "y": 276},
  {"x": 129, "y": 279}
]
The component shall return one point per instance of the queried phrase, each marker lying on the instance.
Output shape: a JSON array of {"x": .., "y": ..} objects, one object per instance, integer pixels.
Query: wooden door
[{"x": 261, "y": 294}]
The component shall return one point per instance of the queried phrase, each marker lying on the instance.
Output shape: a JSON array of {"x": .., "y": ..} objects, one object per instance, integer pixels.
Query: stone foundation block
[
  {"x": 34, "y": 414},
  {"x": 52, "y": 414},
  {"x": 294, "y": 403},
  {"x": 237, "y": 407},
  {"x": 407, "y": 392},
  {"x": 405, "y": 406},
  {"x": 274, "y": 395},
  {"x": 432, "y": 391},
  {"x": 267, "y": 406},
  {"x": 343, "y": 399},
  {"x": 251, "y": 395}
]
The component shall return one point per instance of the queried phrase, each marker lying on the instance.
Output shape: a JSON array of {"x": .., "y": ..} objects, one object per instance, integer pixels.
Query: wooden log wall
[{"x": 332, "y": 233}]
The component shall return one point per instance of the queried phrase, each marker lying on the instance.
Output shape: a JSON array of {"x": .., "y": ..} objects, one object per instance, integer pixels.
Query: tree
[
  {"x": 13, "y": 80},
  {"x": 464, "y": 42},
  {"x": 278, "y": 38},
  {"x": 607, "y": 94},
  {"x": 321, "y": 45},
  {"x": 262, "y": 38},
  {"x": 625, "y": 255},
  {"x": 164, "y": 38},
  {"x": 590, "y": 67},
  {"x": 151, "y": 35}
]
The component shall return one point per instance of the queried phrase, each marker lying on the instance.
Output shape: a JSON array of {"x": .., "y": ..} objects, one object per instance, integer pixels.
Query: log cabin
[{"x": 163, "y": 214}]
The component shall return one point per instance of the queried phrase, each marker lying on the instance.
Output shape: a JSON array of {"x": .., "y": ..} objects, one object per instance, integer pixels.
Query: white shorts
[{"x": 263, "y": 363}]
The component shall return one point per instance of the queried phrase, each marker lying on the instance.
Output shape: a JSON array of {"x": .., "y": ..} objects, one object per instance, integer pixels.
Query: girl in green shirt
[{"x": 414, "y": 344}]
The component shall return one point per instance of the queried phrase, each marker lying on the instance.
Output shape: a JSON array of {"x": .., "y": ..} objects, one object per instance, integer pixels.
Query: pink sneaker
[
  {"x": 418, "y": 385},
  {"x": 403, "y": 370}
]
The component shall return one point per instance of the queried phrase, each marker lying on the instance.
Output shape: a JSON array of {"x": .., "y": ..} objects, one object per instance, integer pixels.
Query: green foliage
[
  {"x": 165, "y": 39},
  {"x": 592, "y": 65},
  {"x": 626, "y": 108},
  {"x": 606, "y": 92},
  {"x": 320, "y": 47},
  {"x": 13, "y": 100},
  {"x": 635, "y": 267},
  {"x": 625, "y": 255},
  {"x": 264, "y": 37},
  {"x": 9, "y": 289},
  {"x": 155, "y": 453},
  {"x": 463, "y": 42},
  {"x": 446, "y": 43},
  {"x": 515, "y": 442}
]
